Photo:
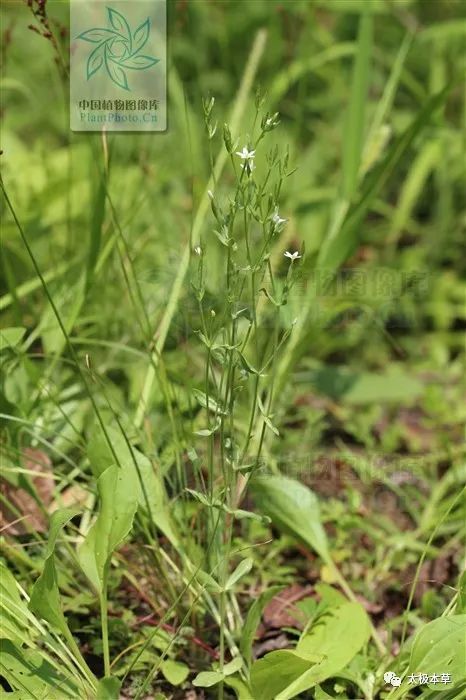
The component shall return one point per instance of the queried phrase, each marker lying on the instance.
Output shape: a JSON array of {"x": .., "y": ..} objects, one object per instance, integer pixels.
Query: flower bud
[{"x": 227, "y": 138}]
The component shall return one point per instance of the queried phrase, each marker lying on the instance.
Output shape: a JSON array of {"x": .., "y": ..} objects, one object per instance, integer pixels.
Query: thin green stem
[{"x": 104, "y": 625}]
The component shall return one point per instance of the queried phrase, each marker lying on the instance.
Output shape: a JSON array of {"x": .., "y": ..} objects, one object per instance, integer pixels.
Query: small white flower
[
  {"x": 388, "y": 675},
  {"x": 249, "y": 165},
  {"x": 396, "y": 681},
  {"x": 277, "y": 219},
  {"x": 246, "y": 154},
  {"x": 198, "y": 250},
  {"x": 292, "y": 256}
]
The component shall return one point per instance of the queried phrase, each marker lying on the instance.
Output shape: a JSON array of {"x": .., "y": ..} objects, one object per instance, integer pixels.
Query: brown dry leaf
[
  {"x": 75, "y": 495},
  {"x": 281, "y": 641},
  {"x": 369, "y": 607},
  {"x": 418, "y": 436},
  {"x": 281, "y": 611},
  {"x": 25, "y": 515},
  {"x": 432, "y": 575}
]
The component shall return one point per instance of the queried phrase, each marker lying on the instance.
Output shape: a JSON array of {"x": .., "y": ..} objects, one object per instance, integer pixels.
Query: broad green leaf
[
  {"x": 30, "y": 673},
  {"x": 320, "y": 654},
  {"x": 440, "y": 647},
  {"x": 276, "y": 671},
  {"x": 252, "y": 621},
  {"x": 241, "y": 570},
  {"x": 9, "y": 337},
  {"x": 206, "y": 679},
  {"x": 364, "y": 387},
  {"x": 148, "y": 486},
  {"x": 45, "y": 596},
  {"x": 108, "y": 689},
  {"x": 329, "y": 596},
  {"x": 293, "y": 508},
  {"x": 118, "y": 491},
  {"x": 233, "y": 666},
  {"x": 174, "y": 671},
  {"x": 338, "y": 634}
]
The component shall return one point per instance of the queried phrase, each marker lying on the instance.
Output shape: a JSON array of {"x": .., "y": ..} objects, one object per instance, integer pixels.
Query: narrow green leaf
[
  {"x": 208, "y": 582},
  {"x": 252, "y": 621},
  {"x": 338, "y": 247},
  {"x": 267, "y": 419},
  {"x": 241, "y": 570},
  {"x": 68, "y": 299},
  {"x": 461, "y": 602},
  {"x": 45, "y": 596},
  {"x": 209, "y": 402},
  {"x": 30, "y": 673},
  {"x": 95, "y": 229},
  {"x": 426, "y": 160},
  {"x": 353, "y": 135},
  {"x": 14, "y": 623}
]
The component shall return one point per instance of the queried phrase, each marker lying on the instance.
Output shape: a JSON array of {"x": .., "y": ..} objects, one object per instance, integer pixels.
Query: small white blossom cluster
[
  {"x": 277, "y": 221},
  {"x": 292, "y": 256},
  {"x": 248, "y": 157}
]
